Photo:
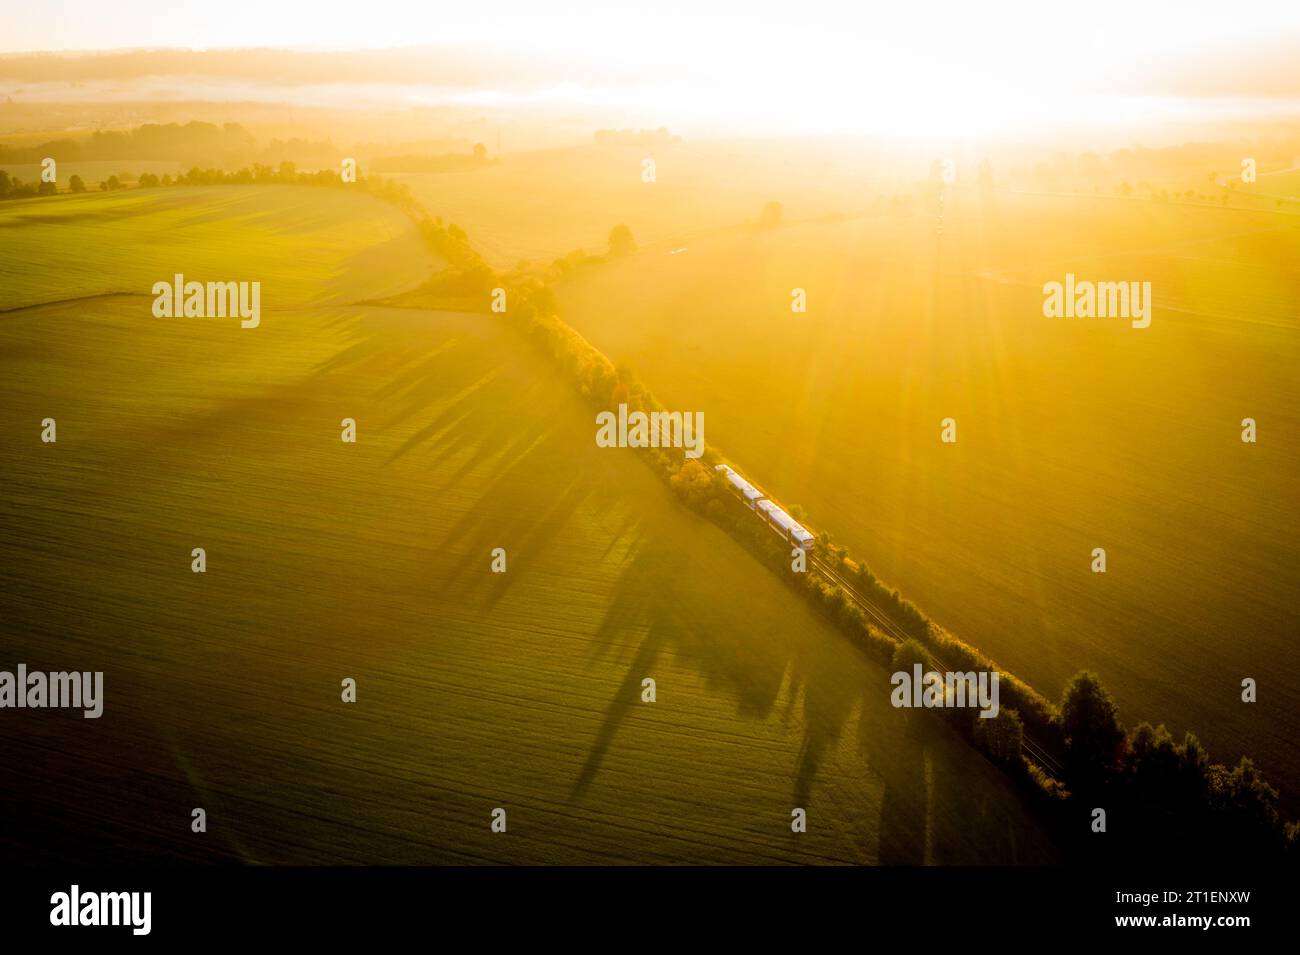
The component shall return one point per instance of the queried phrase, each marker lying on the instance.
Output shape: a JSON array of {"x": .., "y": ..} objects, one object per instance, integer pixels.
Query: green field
[
  {"x": 328, "y": 560},
  {"x": 305, "y": 245},
  {"x": 1071, "y": 434},
  {"x": 540, "y": 205}
]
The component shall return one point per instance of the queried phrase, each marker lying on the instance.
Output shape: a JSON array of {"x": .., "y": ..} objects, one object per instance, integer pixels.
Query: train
[{"x": 768, "y": 510}]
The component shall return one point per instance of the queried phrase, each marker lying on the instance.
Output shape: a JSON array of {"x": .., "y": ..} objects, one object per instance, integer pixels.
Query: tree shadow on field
[
  {"x": 910, "y": 792},
  {"x": 504, "y": 452},
  {"x": 469, "y": 412}
]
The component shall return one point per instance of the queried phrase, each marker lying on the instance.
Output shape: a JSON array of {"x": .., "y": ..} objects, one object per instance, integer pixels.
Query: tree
[
  {"x": 905, "y": 658},
  {"x": 693, "y": 483},
  {"x": 5, "y": 184},
  {"x": 1001, "y": 736},
  {"x": 1154, "y": 763},
  {"x": 480, "y": 152},
  {"x": 76, "y": 184},
  {"x": 621, "y": 241},
  {"x": 1093, "y": 735},
  {"x": 1194, "y": 764},
  {"x": 908, "y": 654},
  {"x": 771, "y": 215},
  {"x": 1246, "y": 806}
]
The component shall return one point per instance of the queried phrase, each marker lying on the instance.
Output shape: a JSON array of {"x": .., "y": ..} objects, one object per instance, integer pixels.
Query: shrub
[{"x": 621, "y": 241}]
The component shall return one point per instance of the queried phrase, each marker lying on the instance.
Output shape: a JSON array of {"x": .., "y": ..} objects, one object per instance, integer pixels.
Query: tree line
[
  {"x": 285, "y": 173},
  {"x": 1158, "y": 794},
  {"x": 227, "y": 145}
]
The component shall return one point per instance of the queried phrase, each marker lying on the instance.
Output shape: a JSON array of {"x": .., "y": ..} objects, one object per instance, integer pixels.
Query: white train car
[
  {"x": 786, "y": 525},
  {"x": 743, "y": 489},
  {"x": 783, "y": 523}
]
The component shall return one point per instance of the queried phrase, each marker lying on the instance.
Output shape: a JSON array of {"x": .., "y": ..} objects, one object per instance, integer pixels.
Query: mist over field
[{"x": 306, "y": 330}]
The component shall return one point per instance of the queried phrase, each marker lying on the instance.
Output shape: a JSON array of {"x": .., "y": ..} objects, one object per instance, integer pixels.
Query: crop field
[
  {"x": 305, "y": 245},
  {"x": 328, "y": 560},
  {"x": 1071, "y": 434},
  {"x": 542, "y": 205}
]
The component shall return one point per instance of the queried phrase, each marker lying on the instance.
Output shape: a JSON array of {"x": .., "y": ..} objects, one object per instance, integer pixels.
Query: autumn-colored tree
[
  {"x": 693, "y": 483},
  {"x": 621, "y": 241}
]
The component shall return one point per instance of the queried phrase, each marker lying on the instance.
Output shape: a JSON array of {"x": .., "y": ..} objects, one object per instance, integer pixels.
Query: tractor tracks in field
[{"x": 70, "y": 301}]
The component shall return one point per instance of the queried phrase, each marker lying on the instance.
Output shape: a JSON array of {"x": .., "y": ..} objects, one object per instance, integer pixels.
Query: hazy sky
[
  {"x": 1086, "y": 33},
  {"x": 816, "y": 63}
]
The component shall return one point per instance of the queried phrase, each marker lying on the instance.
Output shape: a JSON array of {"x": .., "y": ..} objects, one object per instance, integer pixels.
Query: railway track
[{"x": 1033, "y": 751}]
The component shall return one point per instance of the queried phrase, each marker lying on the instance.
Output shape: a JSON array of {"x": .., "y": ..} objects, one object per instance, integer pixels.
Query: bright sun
[{"x": 813, "y": 66}]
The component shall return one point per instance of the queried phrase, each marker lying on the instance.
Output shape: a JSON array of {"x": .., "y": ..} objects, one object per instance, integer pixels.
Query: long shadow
[
  {"x": 456, "y": 409},
  {"x": 939, "y": 800}
]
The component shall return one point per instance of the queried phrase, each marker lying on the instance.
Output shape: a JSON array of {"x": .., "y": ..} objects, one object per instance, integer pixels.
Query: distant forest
[{"x": 231, "y": 145}]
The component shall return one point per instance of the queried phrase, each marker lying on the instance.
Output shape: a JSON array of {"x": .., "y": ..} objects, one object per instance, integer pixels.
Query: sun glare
[{"x": 820, "y": 67}]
